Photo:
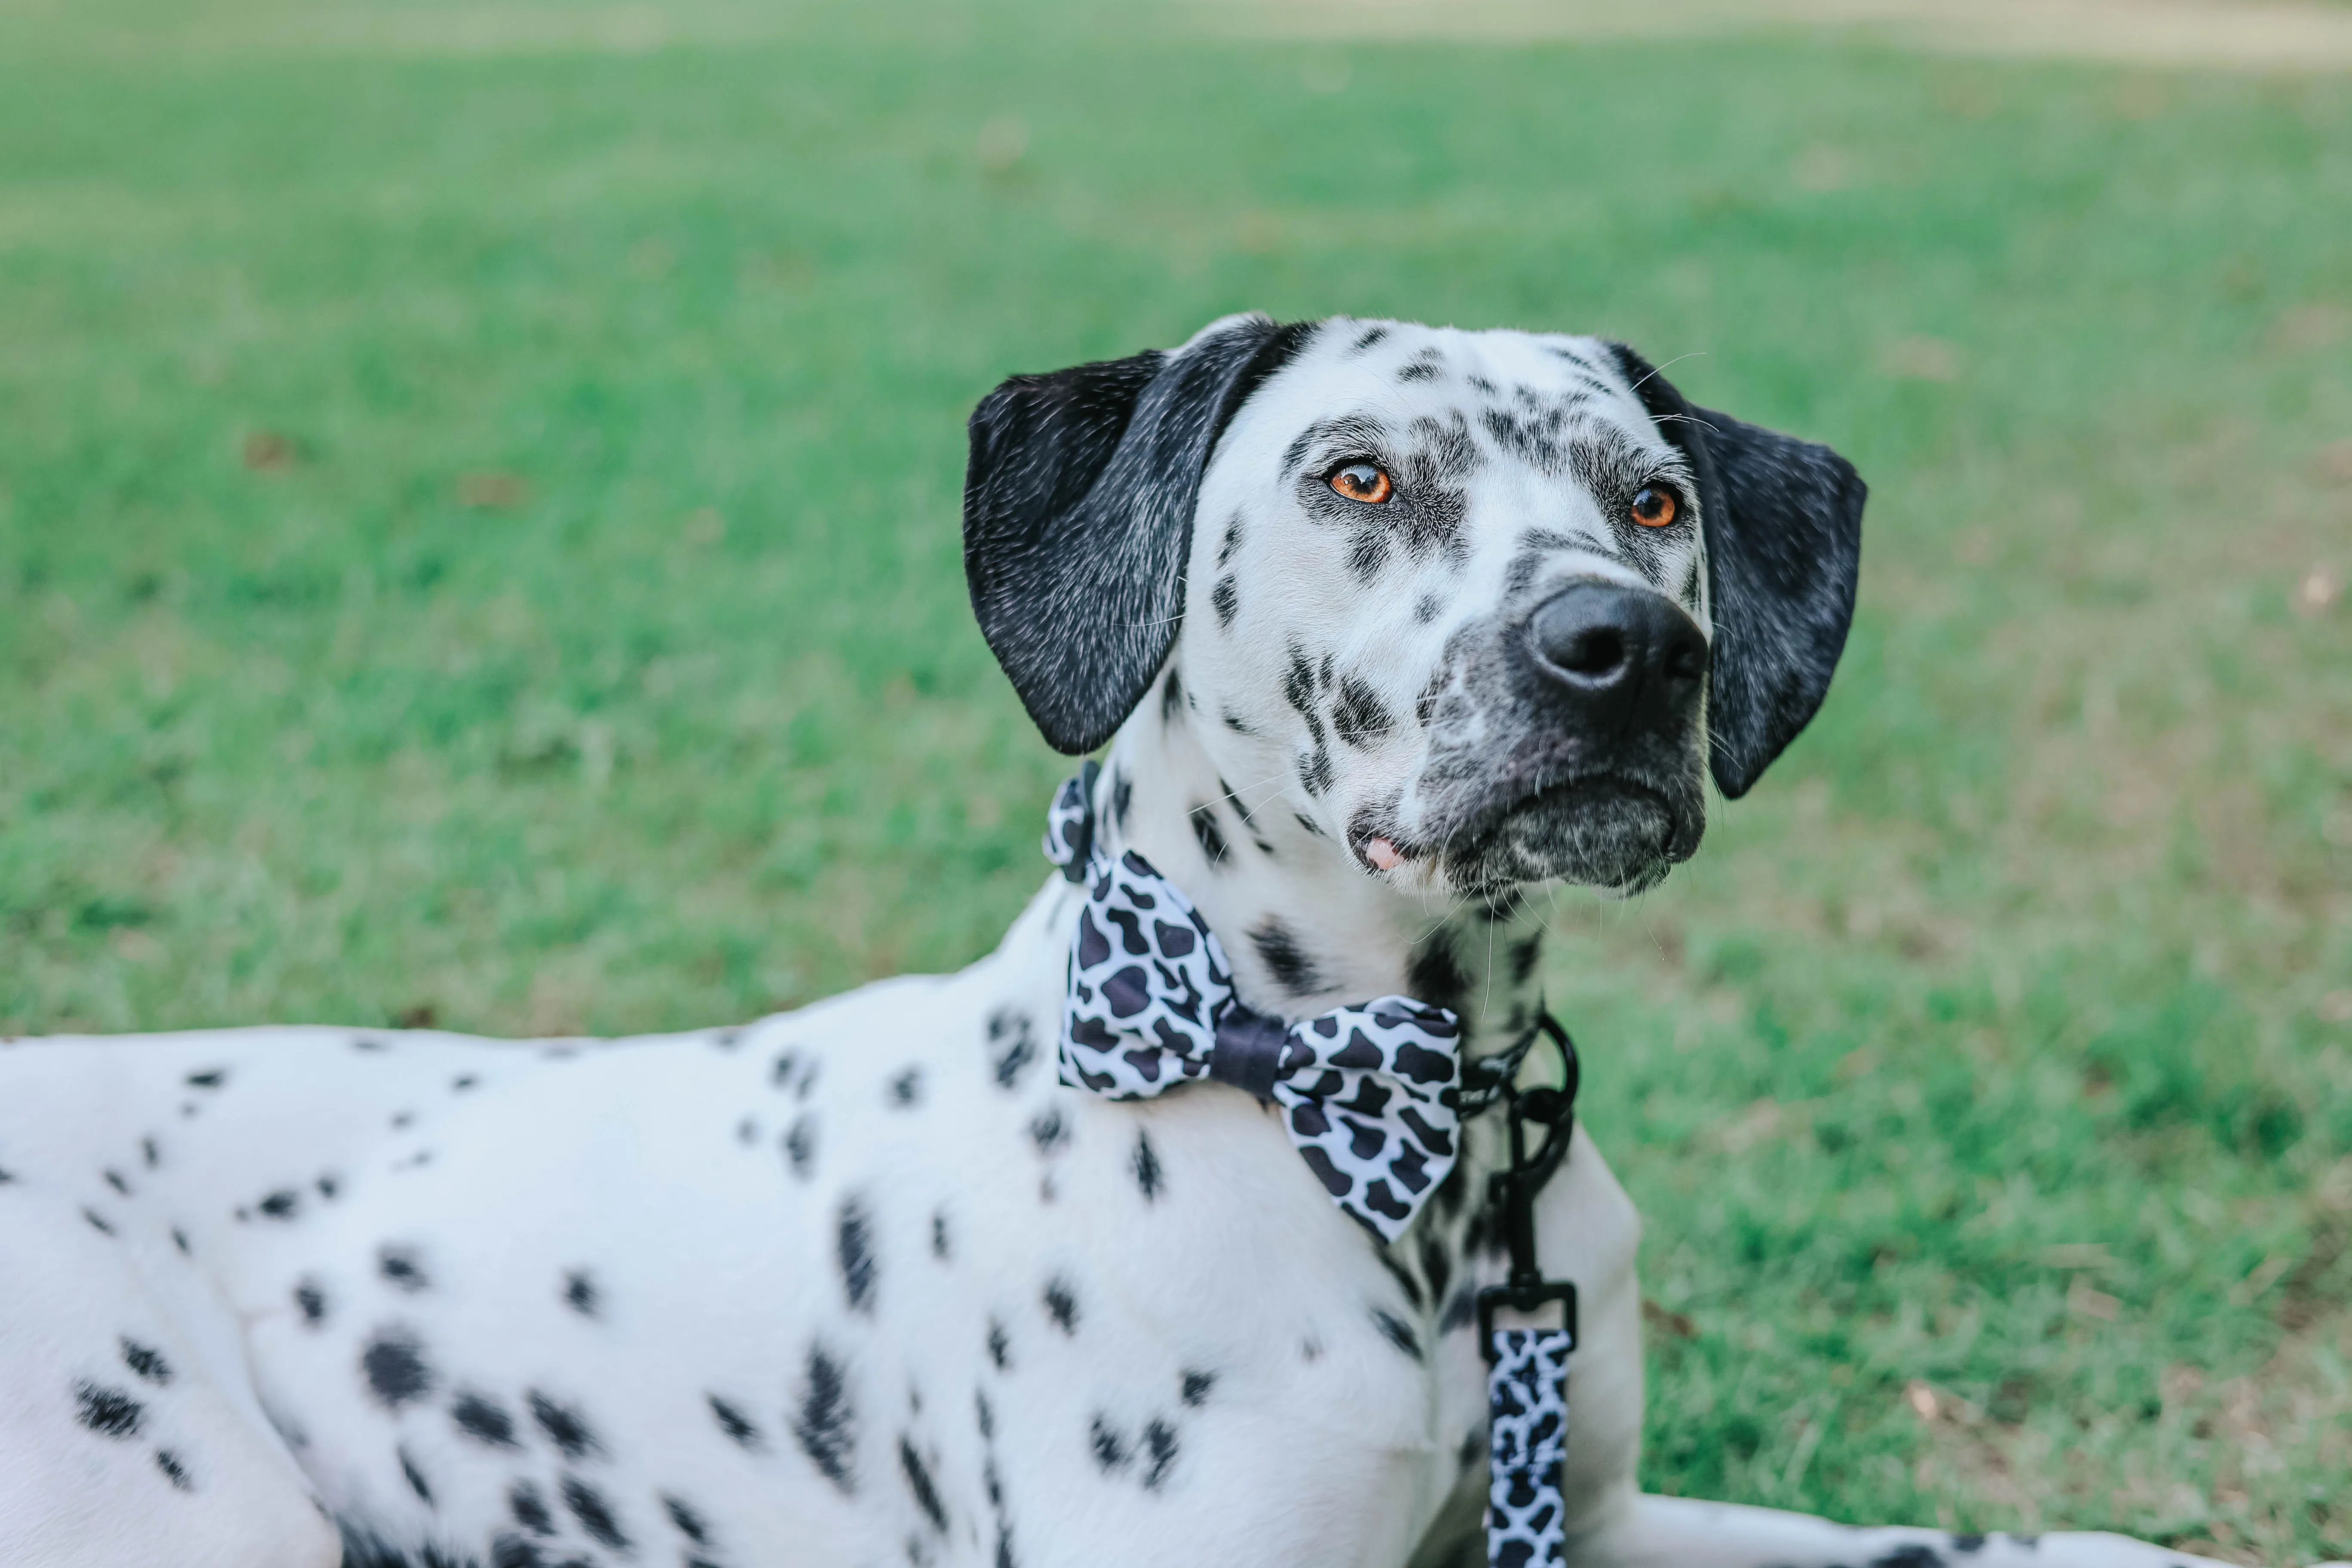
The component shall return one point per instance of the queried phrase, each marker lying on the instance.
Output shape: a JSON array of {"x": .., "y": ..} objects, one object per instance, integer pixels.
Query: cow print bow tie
[{"x": 1370, "y": 1094}]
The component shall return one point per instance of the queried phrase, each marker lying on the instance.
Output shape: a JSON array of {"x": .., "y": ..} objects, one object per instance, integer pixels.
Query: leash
[{"x": 1526, "y": 1369}]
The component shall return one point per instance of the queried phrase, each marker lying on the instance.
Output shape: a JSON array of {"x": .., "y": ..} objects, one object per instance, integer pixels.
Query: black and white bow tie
[{"x": 1371, "y": 1093}]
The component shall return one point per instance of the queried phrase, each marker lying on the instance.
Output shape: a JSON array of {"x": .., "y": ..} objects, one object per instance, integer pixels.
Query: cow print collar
[{"x": 1370, "y": 1094}]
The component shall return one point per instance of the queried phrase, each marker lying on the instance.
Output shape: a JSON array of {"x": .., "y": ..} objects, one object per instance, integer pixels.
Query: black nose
[{"x": 1619, "y": 655}]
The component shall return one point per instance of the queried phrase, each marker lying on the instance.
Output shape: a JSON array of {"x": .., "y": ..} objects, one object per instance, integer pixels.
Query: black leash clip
[{"x": 1512, "y": 1191}]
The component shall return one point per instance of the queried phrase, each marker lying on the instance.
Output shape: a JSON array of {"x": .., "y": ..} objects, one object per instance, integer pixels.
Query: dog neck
[{"x": 1305, "y": 927}]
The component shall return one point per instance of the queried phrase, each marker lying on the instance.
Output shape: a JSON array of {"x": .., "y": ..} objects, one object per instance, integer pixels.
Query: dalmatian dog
[{"x": 1387, "y": 629}]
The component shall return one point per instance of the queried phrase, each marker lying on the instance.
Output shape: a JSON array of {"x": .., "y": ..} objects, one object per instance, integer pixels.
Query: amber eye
[
  {"x": 1363, "y": 482},
  {"x": 1654, "y": 507}
]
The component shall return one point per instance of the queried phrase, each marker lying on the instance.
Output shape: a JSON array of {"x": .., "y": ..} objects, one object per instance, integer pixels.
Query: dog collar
[{"x": 1369, "y": 1094}]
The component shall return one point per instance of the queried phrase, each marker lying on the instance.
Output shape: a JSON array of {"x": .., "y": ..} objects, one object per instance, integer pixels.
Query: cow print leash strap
[
  {"x": 1527, "y": 1368},
  {"x": 1374, "y": 1098},
  {"x": 1368, "y": 1093}
]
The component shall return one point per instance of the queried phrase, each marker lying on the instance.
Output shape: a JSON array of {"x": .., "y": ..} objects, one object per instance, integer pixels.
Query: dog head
[{"x": 1483, "y": 607}]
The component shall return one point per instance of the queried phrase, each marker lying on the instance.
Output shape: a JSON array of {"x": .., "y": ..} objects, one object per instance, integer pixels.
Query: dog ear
[
  {"x": 1078, "y": 517},
  {"x": 1783, "y": 522}
]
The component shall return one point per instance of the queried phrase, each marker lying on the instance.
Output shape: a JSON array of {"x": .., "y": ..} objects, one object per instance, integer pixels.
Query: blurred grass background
[{"x": 478, "y": 544}]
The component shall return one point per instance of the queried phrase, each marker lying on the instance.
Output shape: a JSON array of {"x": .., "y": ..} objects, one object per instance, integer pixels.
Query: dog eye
[
  {"x": 1655, "y": 506},
  {"x": 1363, "y": 482}
]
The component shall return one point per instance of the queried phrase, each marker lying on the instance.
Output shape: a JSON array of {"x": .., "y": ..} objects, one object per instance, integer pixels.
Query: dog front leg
[{"x": 1684, "y": 1532}]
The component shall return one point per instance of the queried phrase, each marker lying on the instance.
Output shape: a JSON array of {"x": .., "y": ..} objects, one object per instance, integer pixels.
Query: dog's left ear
[
  {"x": 1078, "y": 517},
  {"x": 1783, "y": 522}
]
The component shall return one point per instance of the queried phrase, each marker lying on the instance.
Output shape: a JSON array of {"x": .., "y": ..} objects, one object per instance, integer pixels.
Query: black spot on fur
[
  {"x": 907, "y": 1089},
  {"x": 109, "y": 1412},
  {"x": 1049, "y": 1131},
  {"x": 96, "y": 1223},
  {"x": 415, "y": 1477},
  {"x": 1360, "y": 718},
  {"x": 1159, "y": 1443},
  {"x": 1171, "y": 698},
  {"x": 211, "y": 1077},
  {"x": 1397, "y": 1332},
  {"x": 734, "y": 1422},
  {"x": 173, "y": 1470},
  {"x": 1147, "y": 1167},
  {"x": 1122, "y": 797},
  {"x": 1968, "y": 1543},
  {"x": 1434, "y": 975},
  {"x": 580, "y": 1293},
  {"x": 1426, "y": 608},
  {"x": 1213, "y": 847},
  {"x": 689, "y": 1523},
  {"x": 1314, "y": 769},
  {"x": 114, "y": 1179},
  {"x": 1013, "y": 1036},
  {"x": 999, "y": 1347},
  {"x": 283, "y": 1203},
  {"x": 800, "y": 1145},
  {"x": 1911, "y": 1554},
  {"x": 484, "y": 1420},
  {"x": 1230, "y": 541},
  {"x": 1309, "y": 823},
  {"x": 1402, "y": 1276},
  {"x": 1279, "y": 950},
  {"x": 594, "y": 1514},
  {"x": 1062, "y": 1304},
  {"x": 918, "y": 1483},
  {"x": 1235, "y": 722},
  {"x": 1299, "y": 689},
  {"x": 826, "y": 1425},
  {"x": 328, "y": 1186},
  {"x": 565, "y": 1427},
  {"x": 940, "y": 1234},
  {"x": 854, "y": 1243},
  {"x": 147, "y": 1362},
  {"x": 179, "y": 1240},
  {"x": 396, "y": 1368},
  {"x": 148, "y": 1151},
  {"x": 1370, "y": 336},
  {"x": 508, "y": 1550},
  {"x": 1436, "y": 1265},
  {"x": 1417, "y": 370},
  {"x": 1196, "y": 1386},
  {"x": 531, "y": 1510},
  {"x": 1110, "y": 1446},
  {"x": 463, "y": 1082},
  {"x": 311, "y": 1297},
  {"x": 402, "y": 1267},
  {"x": 1226, "y": 598}
]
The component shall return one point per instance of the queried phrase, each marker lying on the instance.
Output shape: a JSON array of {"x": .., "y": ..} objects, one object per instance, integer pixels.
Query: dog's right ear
[
  {"x": 1078, "y": 517},
  {"x": 1783, "y": 524}
]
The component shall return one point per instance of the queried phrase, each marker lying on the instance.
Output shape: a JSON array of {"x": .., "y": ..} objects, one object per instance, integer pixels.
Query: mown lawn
[{"x": 478, "y": 544}]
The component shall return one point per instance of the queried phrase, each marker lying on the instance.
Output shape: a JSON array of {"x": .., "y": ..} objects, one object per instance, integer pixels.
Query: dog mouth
[{"x": 1606, "y": 830}]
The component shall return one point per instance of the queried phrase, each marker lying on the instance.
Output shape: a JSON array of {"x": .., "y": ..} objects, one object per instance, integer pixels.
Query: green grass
[{"x": 1993, "y": 1058}]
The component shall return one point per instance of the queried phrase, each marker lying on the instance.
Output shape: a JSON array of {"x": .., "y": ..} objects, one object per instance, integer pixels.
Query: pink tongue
[{"x": 1382, "y": 855}]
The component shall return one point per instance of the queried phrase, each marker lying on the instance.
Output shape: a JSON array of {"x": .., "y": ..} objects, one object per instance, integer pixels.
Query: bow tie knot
[{"x": 1368, "y": 1093}]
